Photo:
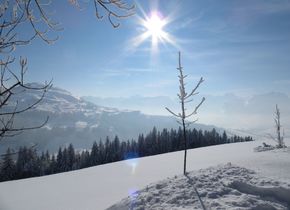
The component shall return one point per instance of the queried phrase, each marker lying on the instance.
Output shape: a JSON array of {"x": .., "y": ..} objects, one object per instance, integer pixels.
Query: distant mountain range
[
  {"x": 137, "y": 102},
  {"x": 77, "y": 121}
]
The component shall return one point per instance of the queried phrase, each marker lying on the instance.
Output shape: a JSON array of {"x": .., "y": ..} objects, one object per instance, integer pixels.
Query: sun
[{"x": 153, "y": 26}]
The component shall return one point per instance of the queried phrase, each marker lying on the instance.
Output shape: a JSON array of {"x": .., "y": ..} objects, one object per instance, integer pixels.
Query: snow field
[{"x": 99, "y": 187}]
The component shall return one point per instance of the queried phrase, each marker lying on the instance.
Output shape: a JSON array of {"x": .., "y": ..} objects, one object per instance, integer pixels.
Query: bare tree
[
  {"x": 16, "y": 15},
  {"x": 114, "y": 8},
  {"x": 184, "y": 98},
  {"x": 11, "y": 85},
  {"x": 280, "y": 139}
]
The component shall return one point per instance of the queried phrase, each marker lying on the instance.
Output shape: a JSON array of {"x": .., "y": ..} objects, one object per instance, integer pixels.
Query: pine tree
[
  {"x": 32, "y": 166},
  {"x": 59, "y": 161},
  {"x": 94, "y": 157},
  {"x": 102, "y": 157},
  {"x": 65, "y": 161},
  {"x": 141, "y": 145},
  {"x": 108, "y": 154},
  {"x": 53, "y": 166},
  {"x": 84, "y": 159},
  {"x": 8, "y": 167},
  {"x": 43, "y": 164},
  {"x": 224, "y": 138},
  {"x": 70, "y": 157},
  {"x": 116, "y": 154}
]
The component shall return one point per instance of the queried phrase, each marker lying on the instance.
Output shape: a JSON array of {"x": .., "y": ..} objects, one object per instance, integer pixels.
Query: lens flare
[
  {"x": 133, "y": 193},
  {"x": 131, "y": 159}
]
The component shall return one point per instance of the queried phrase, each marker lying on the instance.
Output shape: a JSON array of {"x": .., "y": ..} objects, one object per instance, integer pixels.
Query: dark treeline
[{"x": 29, "y": 163}]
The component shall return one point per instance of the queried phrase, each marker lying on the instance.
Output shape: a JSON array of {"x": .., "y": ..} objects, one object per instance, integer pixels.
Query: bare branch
[
  {"x": 187, "y": 124},
  {"x": 110, "y": 6},
  {"x": 16, "y": 86},
  {"x": 196, "y": 108},
  {"x": 25, "y": 12},
  {"x": 176, "y": 115},
  {"x": 31, "y": 106},
  {"x": 196, "y": 87}
]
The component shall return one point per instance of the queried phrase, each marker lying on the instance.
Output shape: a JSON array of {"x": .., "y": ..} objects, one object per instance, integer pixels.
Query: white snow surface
[
  {"x": 252, "y": 180},
  {"x": 221, "y": 187}
]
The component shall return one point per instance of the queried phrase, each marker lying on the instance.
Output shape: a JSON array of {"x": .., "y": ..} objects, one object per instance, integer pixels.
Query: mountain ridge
[{"x": 75, "y": 120}]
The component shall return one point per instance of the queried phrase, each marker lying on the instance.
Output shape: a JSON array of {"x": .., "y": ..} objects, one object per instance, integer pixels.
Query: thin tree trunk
[
  {"x": 278, "y": 126},
  {"x": 185, "y": 147},
  {"x": 185, "y": 97},
  {"x": 184, "y": 130}
]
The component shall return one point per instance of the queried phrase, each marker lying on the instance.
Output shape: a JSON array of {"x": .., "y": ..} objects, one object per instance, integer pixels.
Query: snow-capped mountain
[{"x": 74, "y": 120}]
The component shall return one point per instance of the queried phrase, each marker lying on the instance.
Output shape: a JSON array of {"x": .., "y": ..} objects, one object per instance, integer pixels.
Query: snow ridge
[{"x": 222, "y": 187}]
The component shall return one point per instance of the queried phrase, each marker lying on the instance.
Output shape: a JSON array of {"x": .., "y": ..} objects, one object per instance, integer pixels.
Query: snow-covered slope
[
  {"x": 221, "y": 187},
  {"x": 73, "y": 120},
  {"x": 100, "y": 187}
]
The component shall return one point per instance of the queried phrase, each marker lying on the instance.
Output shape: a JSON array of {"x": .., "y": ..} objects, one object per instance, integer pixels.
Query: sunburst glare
[{"x": 153, "y": 27}]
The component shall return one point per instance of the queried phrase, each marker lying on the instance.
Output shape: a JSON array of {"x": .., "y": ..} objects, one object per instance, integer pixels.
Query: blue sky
[{"x": 239, "y": 47}]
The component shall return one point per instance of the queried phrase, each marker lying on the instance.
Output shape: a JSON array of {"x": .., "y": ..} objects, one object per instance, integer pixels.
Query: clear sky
[{"x": 239, "y": 47}]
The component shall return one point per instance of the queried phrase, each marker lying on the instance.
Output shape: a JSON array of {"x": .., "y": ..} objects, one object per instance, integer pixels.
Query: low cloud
[
  {"x": 255, "y": 112},
  {"x": 227, "y": 110}
]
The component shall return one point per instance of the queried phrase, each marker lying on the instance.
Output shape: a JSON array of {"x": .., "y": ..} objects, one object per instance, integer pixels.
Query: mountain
[
  {"x": 253, "y": 180},
  {"x": 75, "y": 120},
  {"x": 137, "y": 102}
]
